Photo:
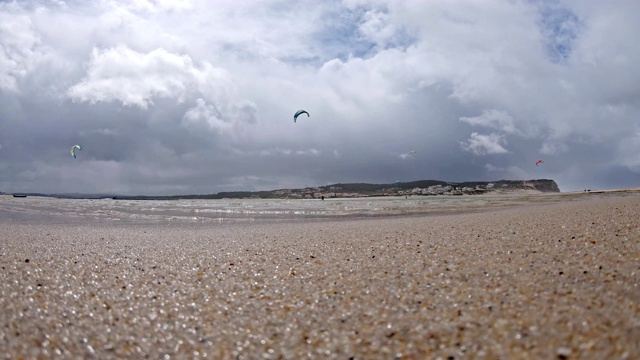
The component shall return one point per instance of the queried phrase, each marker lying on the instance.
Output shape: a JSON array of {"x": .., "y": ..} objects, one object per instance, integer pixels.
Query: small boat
[{"x": 15, "y": 195}]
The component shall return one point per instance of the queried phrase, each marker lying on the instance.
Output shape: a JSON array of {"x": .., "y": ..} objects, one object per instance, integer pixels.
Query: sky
[{"x": 197, "y": 96}]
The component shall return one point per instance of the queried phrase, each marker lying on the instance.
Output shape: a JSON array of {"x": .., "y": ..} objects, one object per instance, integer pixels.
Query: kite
[
  {"x": 73, "y": 150},
  {"x": 539, "y": 162},
  {"x": 298, "y": 113}
]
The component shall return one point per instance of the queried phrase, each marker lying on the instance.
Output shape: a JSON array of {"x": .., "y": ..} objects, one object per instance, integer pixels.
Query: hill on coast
[{"x": 420, "y": 187}]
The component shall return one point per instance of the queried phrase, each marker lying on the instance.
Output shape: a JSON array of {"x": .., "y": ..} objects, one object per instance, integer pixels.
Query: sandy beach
[{"x": 551, "y": 281}]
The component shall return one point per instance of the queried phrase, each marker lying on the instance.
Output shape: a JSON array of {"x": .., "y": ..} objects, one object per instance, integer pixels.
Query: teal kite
[{"x": 298, "y": 113}]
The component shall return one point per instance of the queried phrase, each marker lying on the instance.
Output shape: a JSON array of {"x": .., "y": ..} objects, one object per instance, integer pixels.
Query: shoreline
[
  {"x": 209, "y": 212},
  {"x": 554, "y": 280}
]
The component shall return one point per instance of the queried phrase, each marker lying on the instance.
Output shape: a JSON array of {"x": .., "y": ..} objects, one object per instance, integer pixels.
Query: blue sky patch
[{"x": 559, "y": 27}]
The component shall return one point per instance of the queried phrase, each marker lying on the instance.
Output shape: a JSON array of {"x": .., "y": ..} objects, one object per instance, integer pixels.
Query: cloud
[
  {"x": 135, "y": 79},
  {"x": 155, "y": 6},
  {"x": 102, "y": 132},
  {"x": 493, "y": 168},
  {"x": 410, "y": 154},
  {"x": 628, "y": 150},
  {"x": 308, "y": 152},
  {"x": 377, "y": 26},
  {"x": 479, "y": 144},
  {"x": 205, "y": 117},
  {"x": 495, "y": 119},
  {"x": 559, "y": 27},
  {"x": 553, "y": 148},
  {"x": 20, "y": 47},
  {"x": 511, "y": 172},
  {"x": 290, "y": 152}
]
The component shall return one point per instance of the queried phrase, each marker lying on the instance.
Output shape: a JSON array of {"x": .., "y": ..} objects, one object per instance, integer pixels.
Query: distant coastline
[{"x": 349, "y": 190}]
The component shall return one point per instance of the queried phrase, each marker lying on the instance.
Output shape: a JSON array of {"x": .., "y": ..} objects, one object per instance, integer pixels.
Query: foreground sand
[{"x": 544, "y": 282}]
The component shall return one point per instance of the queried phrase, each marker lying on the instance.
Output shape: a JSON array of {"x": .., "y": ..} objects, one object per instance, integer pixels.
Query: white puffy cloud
[
  {"x": 135, "y": 79},
  {"x": 18, "y": 49},
  {"x": 221, "y": 119},
  {"x": 480, "y": 144},
  {"x": 495, "y": 119},
  {"x": 205, "y": 117}
]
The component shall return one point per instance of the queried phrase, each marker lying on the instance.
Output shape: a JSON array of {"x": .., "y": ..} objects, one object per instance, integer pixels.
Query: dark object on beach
[
  {"x": 14, "y": 195},
  {"x": 322, "y": 197}
]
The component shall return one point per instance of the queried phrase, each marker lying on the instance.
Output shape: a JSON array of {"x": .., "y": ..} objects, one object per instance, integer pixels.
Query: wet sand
[{"x": 552, "y": 281}]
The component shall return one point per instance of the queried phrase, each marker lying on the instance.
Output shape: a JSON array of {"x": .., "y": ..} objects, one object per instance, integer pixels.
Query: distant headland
[{"x": 353, "y": 190}]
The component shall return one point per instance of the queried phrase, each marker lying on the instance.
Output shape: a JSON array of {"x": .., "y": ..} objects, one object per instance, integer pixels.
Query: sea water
[{"x": 49, "y": 209}]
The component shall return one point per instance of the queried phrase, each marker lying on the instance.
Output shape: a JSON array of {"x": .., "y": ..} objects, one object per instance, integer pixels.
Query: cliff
[{"x": 420, "y": 187}]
